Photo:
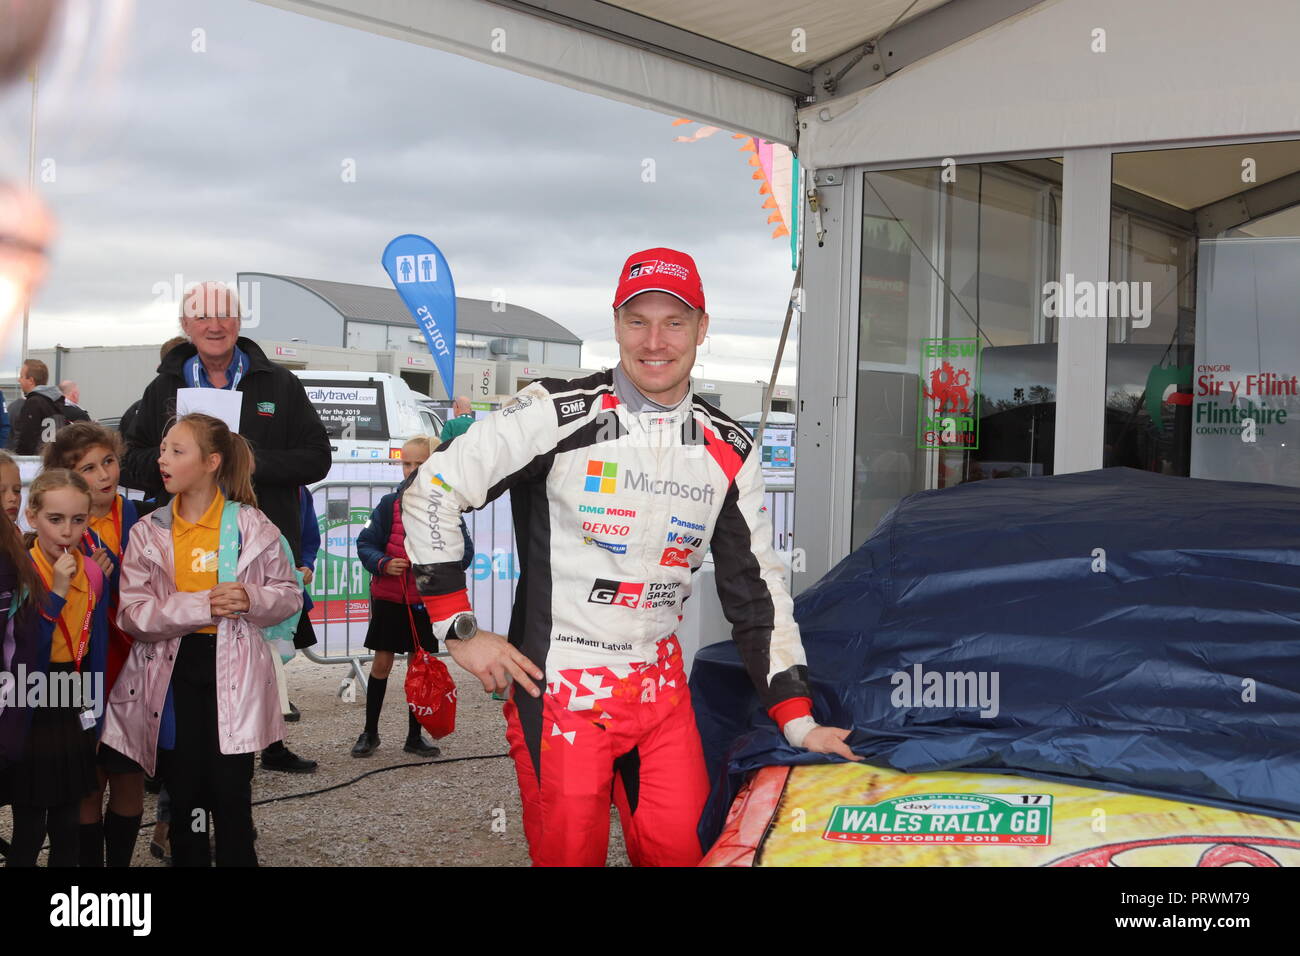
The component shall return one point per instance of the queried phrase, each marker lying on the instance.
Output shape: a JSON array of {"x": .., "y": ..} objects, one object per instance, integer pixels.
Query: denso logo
[
  {"x": 687, "y": 540},
  {"x": 612, "y": 512},
  {"x": 640, "y": 481},
  {"x": 617, "y": 593},
  {"x": 674, "y": 520},
  {"x": 599, "y": 527}
]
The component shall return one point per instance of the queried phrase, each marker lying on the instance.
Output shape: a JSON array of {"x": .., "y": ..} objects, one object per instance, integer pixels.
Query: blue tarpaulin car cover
[{"x": 1119, "y": 627}]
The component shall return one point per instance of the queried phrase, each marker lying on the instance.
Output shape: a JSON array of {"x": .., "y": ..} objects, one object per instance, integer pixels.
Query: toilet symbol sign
[
  {"x": 423, "y": 279},
  {"x": 417, "y": 269}
]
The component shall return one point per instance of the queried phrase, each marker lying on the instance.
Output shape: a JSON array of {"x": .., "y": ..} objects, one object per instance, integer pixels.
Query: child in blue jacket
[{"x": 397, "y": 615}]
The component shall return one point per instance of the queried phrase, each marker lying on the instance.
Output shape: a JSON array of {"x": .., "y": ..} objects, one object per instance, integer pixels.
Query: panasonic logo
[{"x": 640, "y": 481}]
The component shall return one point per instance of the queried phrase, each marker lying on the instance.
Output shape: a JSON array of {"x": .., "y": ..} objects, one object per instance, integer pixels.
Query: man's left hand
[{"x": 829, "y": 740}]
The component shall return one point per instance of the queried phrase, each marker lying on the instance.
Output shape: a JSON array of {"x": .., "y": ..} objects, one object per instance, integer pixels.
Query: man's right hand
[
  {"x": 397, "y": 566},
  {"x": 495, "y": 662}
]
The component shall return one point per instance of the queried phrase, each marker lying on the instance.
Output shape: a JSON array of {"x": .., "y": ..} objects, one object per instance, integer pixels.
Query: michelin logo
[{"x": 607, "y": 545}]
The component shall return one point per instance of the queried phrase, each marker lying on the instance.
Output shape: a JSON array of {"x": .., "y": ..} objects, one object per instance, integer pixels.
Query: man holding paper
[{"x": 226, "y": 375}]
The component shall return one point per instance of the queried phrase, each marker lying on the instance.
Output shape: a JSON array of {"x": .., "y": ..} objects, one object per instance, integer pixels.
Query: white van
[{"x": 368, "y": 415}]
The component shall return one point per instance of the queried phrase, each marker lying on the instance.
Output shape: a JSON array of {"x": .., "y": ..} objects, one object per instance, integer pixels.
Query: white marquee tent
[{"x": 860, "y": 85}]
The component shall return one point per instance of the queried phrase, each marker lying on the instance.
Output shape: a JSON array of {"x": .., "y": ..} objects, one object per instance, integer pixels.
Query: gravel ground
[{"x": 429, "y": 814}]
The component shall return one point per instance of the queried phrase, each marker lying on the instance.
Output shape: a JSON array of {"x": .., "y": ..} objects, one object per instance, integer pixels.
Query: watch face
[{"x": 466, "y": 626}]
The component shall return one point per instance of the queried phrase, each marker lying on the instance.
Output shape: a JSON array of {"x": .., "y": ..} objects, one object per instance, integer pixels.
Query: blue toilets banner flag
[{"x": 422, "y": 278}]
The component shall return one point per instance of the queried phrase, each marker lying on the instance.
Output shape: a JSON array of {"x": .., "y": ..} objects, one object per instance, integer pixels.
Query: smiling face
[
  {"x": 182, "y": 463},
  {"x": 99, "y": 466},
  {"x": 210, "y": 319},
  {"x": 11, "y": 491},
  {"x": 657, "y": 336},
  {"x": 60, "y": 520}
]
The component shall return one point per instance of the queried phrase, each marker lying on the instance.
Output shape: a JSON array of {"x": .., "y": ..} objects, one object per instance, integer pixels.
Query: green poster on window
[{"x": 949, "y": 399}]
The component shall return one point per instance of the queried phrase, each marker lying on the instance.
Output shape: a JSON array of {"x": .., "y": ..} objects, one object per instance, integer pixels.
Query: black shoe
[
  {"x": 294, "y": 715},
  {"x": 282, "y": 758},
  {"x": 420, "y": 748},
  {"x": 366, "y": 744}
]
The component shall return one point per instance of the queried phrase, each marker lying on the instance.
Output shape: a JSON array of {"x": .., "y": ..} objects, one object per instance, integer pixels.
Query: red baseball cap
[{"x": 660, "y": 270}]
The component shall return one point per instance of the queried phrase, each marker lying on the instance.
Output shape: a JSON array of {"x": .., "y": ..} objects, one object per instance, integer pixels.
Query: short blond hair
[{"x": 419, "y": 441}]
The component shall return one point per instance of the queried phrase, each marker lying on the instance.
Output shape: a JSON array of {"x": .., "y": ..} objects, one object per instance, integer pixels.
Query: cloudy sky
[{"x": 231, "y": 158}]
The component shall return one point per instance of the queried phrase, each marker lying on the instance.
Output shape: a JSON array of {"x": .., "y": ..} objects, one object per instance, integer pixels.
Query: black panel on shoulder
[
  {"x": 728, "y": 429},
  {"x": 604, "y": 427}
]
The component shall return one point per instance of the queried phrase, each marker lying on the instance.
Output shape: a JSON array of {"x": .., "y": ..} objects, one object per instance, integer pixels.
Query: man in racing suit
[{"x": 619, "y": 482}]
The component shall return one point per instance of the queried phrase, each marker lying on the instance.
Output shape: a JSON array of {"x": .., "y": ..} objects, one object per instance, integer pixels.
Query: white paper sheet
[{"x": 217, "y": 402}]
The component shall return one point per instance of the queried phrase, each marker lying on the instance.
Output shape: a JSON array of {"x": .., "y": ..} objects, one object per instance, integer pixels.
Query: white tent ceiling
[
  {"x": 1171, "y": 70},
  {"x": 743, "y": 65},
  {"x": 949, "y": 77}
]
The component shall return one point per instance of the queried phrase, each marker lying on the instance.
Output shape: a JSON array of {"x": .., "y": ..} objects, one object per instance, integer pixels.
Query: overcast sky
[{"x": 209, "y": 163}]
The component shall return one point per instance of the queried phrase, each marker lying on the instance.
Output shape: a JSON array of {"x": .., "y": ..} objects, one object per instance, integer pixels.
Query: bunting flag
[{"x": 776, "y": 170}]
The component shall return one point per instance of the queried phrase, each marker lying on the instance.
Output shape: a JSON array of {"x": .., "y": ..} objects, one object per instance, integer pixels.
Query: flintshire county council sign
[{"x": 949, "y": 399}]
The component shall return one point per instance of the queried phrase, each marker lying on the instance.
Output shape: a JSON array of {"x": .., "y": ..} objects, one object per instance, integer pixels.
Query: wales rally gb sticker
[{"x": 954, "y": 818}]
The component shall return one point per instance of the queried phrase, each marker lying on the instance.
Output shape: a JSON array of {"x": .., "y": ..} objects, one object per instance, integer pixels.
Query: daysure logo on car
[{"x": 1012, "y": 818}]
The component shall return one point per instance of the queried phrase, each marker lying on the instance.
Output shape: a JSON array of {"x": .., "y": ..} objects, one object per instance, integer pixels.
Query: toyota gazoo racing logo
[
  {"x": 659, "y": 594},
  {"x": 642, "y": 268},
  {"x": 676, "y": 557},
  {"x": 683, "y": 540},
  {"x": 1190, "y": 851},
  {"x": 617, "y": 593},
  {"x": 607, "y": 545}
]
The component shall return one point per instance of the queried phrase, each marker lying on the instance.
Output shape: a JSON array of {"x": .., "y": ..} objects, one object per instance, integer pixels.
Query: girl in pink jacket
[{"x": 199, "y": 688}]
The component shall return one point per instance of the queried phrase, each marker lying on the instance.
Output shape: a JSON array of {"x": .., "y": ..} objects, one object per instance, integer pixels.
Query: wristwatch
[{"x": 464, "y": 626}]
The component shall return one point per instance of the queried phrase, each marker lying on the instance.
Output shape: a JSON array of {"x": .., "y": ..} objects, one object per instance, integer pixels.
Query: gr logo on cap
[{"x": 660, "y": 270}]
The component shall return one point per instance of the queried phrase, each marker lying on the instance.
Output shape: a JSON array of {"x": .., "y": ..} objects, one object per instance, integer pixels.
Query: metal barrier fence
[{"x": 340, "y": 587}]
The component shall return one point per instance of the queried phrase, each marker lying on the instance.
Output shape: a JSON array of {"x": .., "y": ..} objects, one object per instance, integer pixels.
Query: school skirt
[
  {"x": 58, "y": 763},
  {"x": 390, "y": 627}
]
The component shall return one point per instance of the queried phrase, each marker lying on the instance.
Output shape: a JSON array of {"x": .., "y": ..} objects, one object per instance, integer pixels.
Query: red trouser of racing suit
[{"x": 629, "y": 739}]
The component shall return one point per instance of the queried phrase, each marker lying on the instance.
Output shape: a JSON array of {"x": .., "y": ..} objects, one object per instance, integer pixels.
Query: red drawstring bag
[{"x": 430, "y": 691}]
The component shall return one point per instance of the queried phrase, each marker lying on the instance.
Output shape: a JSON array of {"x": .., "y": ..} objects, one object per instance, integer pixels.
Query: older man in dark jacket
[{"x": 290, "y": 446}]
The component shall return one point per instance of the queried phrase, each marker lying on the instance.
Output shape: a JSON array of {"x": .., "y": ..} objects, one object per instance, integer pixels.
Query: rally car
[{"x": 1091, "y": 669}]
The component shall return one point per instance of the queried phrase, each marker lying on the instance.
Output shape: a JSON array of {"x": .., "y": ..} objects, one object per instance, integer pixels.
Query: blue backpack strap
[{"x": 228, "y": 552}]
